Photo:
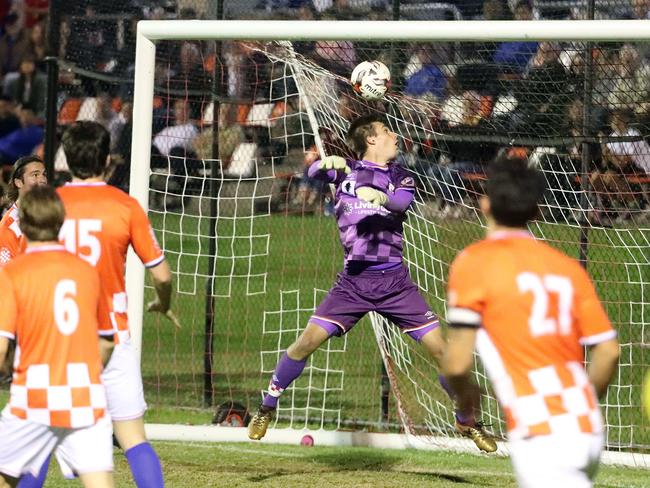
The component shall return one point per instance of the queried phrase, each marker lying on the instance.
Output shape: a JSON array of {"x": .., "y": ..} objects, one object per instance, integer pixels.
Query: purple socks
[
  {"x": 145, "y": 466},
  {"x": 462, "y": 417},
  {"x": 29, "y": 481},
  {"x": 286, "y": 371}
]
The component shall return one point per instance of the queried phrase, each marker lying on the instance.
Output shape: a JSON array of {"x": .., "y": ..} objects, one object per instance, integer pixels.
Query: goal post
[{"x": 424, "y": 414}]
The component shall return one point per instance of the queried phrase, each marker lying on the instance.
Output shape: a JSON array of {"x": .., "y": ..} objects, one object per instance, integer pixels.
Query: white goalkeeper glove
[
  {"x": 334, "y": 162},
  {"x": 370, "y": 195}
]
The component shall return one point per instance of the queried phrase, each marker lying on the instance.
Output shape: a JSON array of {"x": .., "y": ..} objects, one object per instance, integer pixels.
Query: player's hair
[
  {"x": 360, "y": 129},
  {"x": 17, "y": 173},
  {"x": 86, "y": 145},
  {"x": 514, "y": 190},
  {"x": 41, "y": 214}
]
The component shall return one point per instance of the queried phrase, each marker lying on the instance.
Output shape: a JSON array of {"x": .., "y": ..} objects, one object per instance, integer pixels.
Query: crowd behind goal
[{"x": 483, "y": 91}]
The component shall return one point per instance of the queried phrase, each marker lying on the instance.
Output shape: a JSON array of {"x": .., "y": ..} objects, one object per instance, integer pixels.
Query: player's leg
[
  {"x": 565, "y": 460},
  {"x": 88, "y": 452},
  {"x": 289, "y": 367},
  {"x": 7, "y": 481},
  {"x": 406, "y": 307},
  {"x": 126, "y": 406},
  {"x": 28, "y": 480},
  {"x": 24, "y": 447},
  {"x": 141, "y": 456},
  {"x": 97, "y": 480},
  {"x": 338, "y": 313}
]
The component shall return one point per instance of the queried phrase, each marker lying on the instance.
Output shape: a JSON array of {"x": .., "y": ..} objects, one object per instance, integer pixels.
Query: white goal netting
[{"x": 254, "y": 247}]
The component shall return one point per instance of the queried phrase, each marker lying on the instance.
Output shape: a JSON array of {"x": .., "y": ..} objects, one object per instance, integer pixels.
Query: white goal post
[{"x": 148, "y": 32}]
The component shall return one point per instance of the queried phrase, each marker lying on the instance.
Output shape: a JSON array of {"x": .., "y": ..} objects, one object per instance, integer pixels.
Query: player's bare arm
[
  {"x": 162, "y": 281},
  {"x": 4, "y": 347},
  {"x": 604, "y": 361}
]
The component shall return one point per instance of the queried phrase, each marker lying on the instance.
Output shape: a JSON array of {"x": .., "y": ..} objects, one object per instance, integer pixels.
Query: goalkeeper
[{"x": 372, "y": 197}]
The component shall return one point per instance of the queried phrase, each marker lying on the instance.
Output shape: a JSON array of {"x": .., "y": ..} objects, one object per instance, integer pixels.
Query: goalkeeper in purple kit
[{"x": 372, "y": 197}]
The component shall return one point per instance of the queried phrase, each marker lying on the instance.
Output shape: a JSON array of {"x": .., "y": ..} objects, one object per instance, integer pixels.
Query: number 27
[{"x": 541, "y": 287}]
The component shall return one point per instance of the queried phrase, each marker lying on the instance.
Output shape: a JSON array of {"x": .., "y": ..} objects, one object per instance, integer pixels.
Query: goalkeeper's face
[{"x": 385, "y": 142}]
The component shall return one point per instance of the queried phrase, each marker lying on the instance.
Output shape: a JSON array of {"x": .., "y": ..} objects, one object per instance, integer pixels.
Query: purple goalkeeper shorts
[{"x": 391, "y": 293}]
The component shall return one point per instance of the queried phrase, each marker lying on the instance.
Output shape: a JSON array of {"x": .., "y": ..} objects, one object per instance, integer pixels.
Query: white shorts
[
  {"x": 557, "y": 461},
  {"x": 26, "y": 445},
  {"x": 123, "y": 382}
]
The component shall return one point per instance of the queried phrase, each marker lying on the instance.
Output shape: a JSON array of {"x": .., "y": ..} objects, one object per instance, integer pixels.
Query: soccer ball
[{"x": 371, "y": 79}]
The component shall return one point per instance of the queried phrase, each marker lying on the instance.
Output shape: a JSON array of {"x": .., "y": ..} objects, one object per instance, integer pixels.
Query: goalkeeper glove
[
  {"x": 370, "y": 195},
  {"x": 334, "y": 162}
]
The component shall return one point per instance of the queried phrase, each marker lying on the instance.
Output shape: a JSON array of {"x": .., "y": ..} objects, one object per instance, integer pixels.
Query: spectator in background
[
  {"x": 429, "y": 80},
  {"x": 121, "y": 148},
  {"x": 23, "y": 141},
  {"x": 37, "y": 47},
  {"x": 8, "y": 120},
  {"x": 106, "y": 116},
  {"x": 14, "y": 45},
  {"x": 27, "y": 87},
  {"x": 231, "y": 135},
  {"x": 35, "y": 11},
  {"x": 542, "y": 94},
  {"x": 629, "y": 156},
  {"x": 514, "y": 56},
  {"x": 621, "y": 159},
  {"x": 641, "y": 9},
  {"x": 180, "y": 134},
  {"x": 631, "y": 88}
]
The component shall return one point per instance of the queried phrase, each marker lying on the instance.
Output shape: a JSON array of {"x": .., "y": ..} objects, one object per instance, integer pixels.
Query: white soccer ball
[{"x": 371, "y": 79}]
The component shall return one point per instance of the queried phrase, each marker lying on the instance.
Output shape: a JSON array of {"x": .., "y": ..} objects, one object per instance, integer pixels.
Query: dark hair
[
  {"x": 514, "y": 190},
  {"x": 86, "y": 146},
  {"x": 360, "y": 129},
  {"x": 41, "y": 214},
  {"x": 17, "y": 173}
]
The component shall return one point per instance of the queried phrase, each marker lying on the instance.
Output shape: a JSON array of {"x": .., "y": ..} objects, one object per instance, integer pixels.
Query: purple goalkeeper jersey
[{"x": 369, "y": 233}]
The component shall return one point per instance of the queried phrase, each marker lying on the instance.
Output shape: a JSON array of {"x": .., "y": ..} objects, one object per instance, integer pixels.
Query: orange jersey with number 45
[
  {"x": 535, "y": 308},
  {"x": 101, "y": 222}
]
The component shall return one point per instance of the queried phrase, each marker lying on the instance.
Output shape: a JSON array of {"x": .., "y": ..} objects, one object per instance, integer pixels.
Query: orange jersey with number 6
[
  {"x": 535, "y": 308},
  {"x": 49, "y": 301},
  {"x": 101, "y": 222}
]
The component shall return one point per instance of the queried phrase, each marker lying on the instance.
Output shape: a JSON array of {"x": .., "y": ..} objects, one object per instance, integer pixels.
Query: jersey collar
[
  {"x": 53, "y": 247},
  {"x": 371, "y": 165},
  {"x": 83, "y": 183},
  {"x": 507, "y": 234}
]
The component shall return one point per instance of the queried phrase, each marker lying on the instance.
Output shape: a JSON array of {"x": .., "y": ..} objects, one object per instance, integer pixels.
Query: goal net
[{"x": 253, "y": 244}]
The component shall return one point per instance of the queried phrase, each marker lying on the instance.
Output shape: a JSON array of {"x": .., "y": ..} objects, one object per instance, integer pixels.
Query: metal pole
[
  {"x": 587, "y": 129},
  {"x": 208, "y": 349},
  {"x": 49, "y": 143},
  {"x": 53, "y": 43}
]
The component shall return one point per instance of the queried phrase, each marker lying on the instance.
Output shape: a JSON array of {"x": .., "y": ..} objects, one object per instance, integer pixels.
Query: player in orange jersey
[
  {"x": 530, "y": 310},
  {"x": 101, "y": 222},
  {"x": 27, "y": 172},
  {"x": 50, "y": 300}
]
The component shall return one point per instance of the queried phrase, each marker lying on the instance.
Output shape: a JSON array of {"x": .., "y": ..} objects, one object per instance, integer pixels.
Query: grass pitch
[{"x": 258, "y": 464}]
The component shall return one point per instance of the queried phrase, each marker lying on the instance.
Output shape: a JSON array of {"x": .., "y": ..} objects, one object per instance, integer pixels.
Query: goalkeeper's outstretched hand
[
  {"x": 370, "y": 195},
  {"x": 156, "y": 306},
  {"x": 334, "y": 162}
]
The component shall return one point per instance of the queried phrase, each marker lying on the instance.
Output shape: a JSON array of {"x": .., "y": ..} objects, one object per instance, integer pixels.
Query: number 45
[
  {"x": 76, "y": 234},
  {"x": 541, "y": 287}
]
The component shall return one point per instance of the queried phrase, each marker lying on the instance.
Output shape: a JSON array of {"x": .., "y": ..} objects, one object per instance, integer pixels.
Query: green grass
[
  {"x": 251, "y": 465},
  {"x": 304, "y": 254}
]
